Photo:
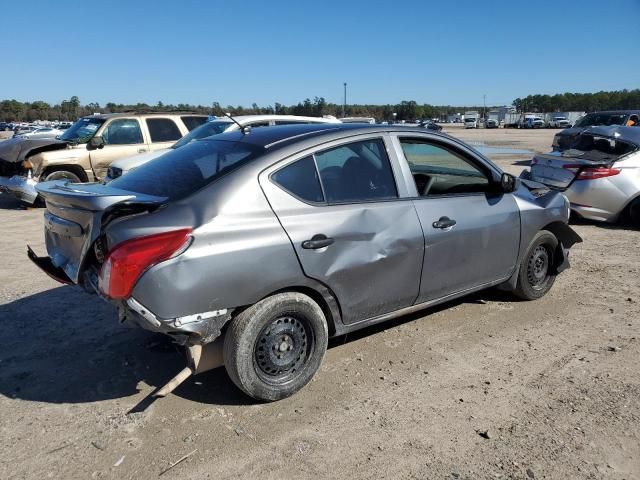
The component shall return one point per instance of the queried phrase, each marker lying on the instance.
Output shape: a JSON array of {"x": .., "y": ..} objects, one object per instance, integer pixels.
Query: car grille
[{"x": 114, "y": 172}]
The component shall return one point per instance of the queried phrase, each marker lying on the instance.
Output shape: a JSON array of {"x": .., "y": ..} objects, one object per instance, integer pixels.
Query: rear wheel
[
  {"x": 536, "y": 276},
  {"x": 272, "y": 349}
]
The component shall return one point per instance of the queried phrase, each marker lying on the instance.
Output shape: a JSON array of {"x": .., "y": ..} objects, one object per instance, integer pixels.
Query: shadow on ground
[{"x": 66, "y": 346}]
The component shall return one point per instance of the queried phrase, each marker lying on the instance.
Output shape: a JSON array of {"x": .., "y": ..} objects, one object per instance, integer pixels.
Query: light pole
[
  {"x": 484, "y": 107},
  {"x": 344, "y": 104}
]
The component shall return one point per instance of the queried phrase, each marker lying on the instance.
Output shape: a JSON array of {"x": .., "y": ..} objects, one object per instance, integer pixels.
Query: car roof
[
  {"x": 151, "y": 114},
  {"x": 616, "y": 112},
  {"x": 282, "y": 135},
  {"x": 242, "y": 119}
]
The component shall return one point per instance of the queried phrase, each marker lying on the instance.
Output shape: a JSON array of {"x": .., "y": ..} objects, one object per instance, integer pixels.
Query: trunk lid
[
  {"x": 76, "y": 216},
  {"x": 596, "y": 147}
]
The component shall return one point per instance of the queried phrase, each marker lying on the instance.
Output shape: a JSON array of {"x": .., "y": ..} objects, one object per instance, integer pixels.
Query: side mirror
[
  {"x": 95, "y": 143},
  {"x": 508, "y": 183}
]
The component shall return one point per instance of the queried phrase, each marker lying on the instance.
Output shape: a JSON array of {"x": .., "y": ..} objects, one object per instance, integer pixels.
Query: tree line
[{"x": 71, "y": 109}]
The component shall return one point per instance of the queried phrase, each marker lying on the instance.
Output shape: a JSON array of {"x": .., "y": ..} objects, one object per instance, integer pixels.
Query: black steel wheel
[
  {"x": 537, "y": 270},
  {"x": 283, "y": 347},
  {"x": 273, "y": 348}
]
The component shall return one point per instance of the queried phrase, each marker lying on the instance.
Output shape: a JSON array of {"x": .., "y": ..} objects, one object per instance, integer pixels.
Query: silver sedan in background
[{"x": 599, "y": 173}]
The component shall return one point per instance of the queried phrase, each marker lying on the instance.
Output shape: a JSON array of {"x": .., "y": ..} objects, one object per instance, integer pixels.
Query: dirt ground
[{"x": 483, "y": 387}]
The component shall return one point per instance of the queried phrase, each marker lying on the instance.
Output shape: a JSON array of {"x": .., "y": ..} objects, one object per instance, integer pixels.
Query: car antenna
[{"x": 244, "y": 129}]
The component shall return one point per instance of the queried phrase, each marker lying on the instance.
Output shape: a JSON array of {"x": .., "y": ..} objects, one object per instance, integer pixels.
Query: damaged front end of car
[{"x": 17, "y": 172}]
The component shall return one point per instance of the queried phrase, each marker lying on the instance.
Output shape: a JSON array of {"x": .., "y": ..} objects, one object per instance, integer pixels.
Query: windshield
[
  {"x": 203, "y": 131},
  {"x": 183, "y": 171},
  {"x": 82, "y": 130},
  {"x": 470, "y": 120},
  {"x": 559, "y": 118},
  {"x": 601, "y": 119}
]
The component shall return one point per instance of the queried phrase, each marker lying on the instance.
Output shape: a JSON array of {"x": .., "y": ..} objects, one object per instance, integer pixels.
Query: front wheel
[
  {"x": 62, "y": 175},
  {"x": 537, "y": 273},
  {"x": 273, "y": 348}
]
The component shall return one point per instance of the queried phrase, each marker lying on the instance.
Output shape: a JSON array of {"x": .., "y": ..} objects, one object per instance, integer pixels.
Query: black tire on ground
[
  {"x": 535, "y": 277},
  {"x": 634, "y": 212},
  {"x": 62, "y": 175},
  {"x": 273, "y": 348}
]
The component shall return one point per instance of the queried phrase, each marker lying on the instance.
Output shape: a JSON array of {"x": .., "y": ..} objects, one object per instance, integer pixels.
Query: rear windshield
[
  {"x": 203, "y": 131},
  {"x": 181, "y": 172},
  {"x": 601, "y": 119}
]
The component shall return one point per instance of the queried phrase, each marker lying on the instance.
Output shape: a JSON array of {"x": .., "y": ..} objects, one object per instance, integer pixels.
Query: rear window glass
[
  {"x": 601, "y": 119},
  {"x": 300, "y": 179},
  {"x": 163, "y": 130},
  {"x": 203, "y": 131},
  {"x": 192, "y": 122},
  {"x": 183, "y": 171}
]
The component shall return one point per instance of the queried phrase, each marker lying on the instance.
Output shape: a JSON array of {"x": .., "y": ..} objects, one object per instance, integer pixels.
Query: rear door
[
  {"x": 122, "y": 138},
  {"x": 472, "y": 236},
  {"x": 163, "y": 132},
  {"x": 350, "y": 228}
]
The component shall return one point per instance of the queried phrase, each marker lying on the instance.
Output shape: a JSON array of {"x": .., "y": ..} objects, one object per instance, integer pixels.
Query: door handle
[
  {"x": 317, "y": 241},
  {"x": 142, "y": 150},
  {"x": 444, "y": 222}
]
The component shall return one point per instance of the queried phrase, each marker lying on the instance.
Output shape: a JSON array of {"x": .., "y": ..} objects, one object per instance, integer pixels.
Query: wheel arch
[
  {"x": 320, "y": 294},
  {"x": 75, "y": 169}
]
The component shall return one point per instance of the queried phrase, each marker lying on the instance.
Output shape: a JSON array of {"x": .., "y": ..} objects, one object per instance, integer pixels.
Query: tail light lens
[
  {"x": 591, "y": 173},
  {"x": 127, "y": 261}
]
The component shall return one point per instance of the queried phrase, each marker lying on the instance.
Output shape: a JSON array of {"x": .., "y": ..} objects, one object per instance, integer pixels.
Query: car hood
[
  {"x": 17, "y": 149},
  {"x": 129, "y": 163}
]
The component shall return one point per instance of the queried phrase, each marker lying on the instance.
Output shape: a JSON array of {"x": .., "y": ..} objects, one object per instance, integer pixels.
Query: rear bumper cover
[
  {"x": 46, "y": 265},
  {"x": 22, "y": 187}
]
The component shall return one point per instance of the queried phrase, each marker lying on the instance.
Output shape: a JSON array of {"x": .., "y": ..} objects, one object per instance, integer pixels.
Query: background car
[
  {"x": 491, "y": 123},
  {"x": 213, "y": 127},
  {"x": 559, "y": 122},
  {"x": 430, "y": 125},
  {"x": 84, "y": 152},
  {"x": 564, "y": 139},
  {"x": 40, "y": 132},
  {"x": 265, "y": 239},
  {"x": 600, "y": 174}
]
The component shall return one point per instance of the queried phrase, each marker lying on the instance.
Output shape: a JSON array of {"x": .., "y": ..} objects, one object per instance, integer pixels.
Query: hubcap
[
  {"x": 538, "y": 267},
  {"x": 282, "y": 348}
]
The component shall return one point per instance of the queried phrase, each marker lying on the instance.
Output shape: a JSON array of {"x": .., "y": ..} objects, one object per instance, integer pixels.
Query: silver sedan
[{"x": 600, "y": 174}]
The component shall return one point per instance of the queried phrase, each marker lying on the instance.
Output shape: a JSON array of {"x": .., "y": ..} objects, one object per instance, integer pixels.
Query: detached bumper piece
[
  {"x": 22, "y": 187},
  {"x": 46, "y": 265}
]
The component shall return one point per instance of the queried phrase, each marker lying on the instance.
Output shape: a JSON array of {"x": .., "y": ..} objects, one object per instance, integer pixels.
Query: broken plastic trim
[{"x": 46, "y": 265}]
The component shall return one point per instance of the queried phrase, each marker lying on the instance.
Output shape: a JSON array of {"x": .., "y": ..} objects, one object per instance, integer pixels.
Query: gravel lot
[{"x": 484, "y": 387}]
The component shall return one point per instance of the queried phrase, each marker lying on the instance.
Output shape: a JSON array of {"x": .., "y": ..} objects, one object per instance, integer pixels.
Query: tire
[
  {"x": 270, "y": 367},
  {"x": 62, "y": 175},
  {"x": 634, "y": 212},
  {"x": 535, "y": 277}
]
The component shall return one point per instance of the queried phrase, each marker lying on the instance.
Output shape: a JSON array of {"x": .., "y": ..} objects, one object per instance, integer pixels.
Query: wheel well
[
  {"x": 625, "y": 212},
  {"x": 329, "y": 306},
  {"x": 75, "y": 169}
]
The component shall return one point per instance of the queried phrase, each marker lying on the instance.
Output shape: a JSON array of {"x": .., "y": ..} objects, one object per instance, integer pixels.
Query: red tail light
[
  {"x": 127, "y": 261},
  {"x": 591, "y": 173}
]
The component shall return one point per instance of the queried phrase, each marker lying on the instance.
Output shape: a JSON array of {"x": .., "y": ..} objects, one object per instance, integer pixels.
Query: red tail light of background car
[
  {"x": 591, "y": 173},
  {"x": 127, "y": 261}
]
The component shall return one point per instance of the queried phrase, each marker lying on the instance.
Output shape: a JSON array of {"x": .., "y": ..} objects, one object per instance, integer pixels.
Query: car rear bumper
[{"x": 22, "y": 187}]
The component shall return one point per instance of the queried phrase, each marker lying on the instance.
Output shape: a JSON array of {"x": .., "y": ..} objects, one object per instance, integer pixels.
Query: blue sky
[{"x": 240, "y": 52}]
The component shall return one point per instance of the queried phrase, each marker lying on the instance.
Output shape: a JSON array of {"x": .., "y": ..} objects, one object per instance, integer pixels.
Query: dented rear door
[{"x": 373, "y": 250}]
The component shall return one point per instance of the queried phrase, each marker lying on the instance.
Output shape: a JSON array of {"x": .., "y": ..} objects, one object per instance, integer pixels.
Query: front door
[
  {"x": 472, "y": 232},
  {"x": 349, "y": 229},
  {"x": 122, "y": 138}
]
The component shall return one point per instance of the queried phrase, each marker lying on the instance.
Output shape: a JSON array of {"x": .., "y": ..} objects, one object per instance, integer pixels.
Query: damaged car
[
  {"x": 253, "y": 248},
  {"x": 599, "y": 174},
  {"x": 84, "y": 152}
]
